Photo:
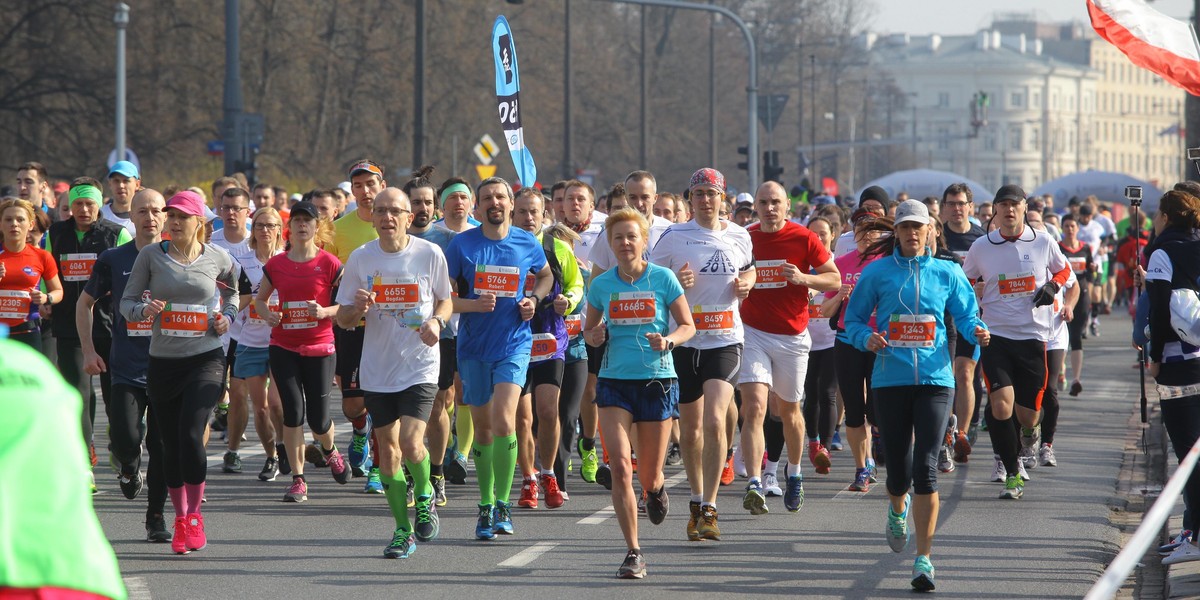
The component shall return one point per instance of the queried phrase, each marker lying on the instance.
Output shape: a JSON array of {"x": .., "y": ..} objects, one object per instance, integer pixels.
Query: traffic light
[
  {"x": 771, "y": 170},
  {"x": 744, "y": 151}
]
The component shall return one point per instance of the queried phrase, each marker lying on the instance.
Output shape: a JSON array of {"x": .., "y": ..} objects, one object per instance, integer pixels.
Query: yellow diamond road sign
[
  {"x": 485, "y": 171},
  {"x": 486, "y": 149}
]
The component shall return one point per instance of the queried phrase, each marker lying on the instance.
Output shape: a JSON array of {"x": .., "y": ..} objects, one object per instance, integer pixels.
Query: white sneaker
[
  {"x": 1046, "y": 456},
  {"x": 1028, "y": 458},
  {"x": 1022, "y": 472},
  {"x": 999, "y": 474},
  {"x": 945, "y": 460},
  {"x": 739, "y": 463},
  {"x": 771, "y": 485},
  {"x": 1186, "y": 552}
]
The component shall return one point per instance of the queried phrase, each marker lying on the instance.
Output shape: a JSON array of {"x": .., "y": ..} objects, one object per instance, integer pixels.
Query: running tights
[
  {"x": 183, "y": 393},
  {"x": 912, "y": 421},
  {"x": 305, "y": 384},
  {"x": 574, "y": 380},
  {"x": 853, "y": 371},
  {"x": 820, "y": 395},
  {"x": 1054, "y": 365},
  {"x": 125, "y": 412}
]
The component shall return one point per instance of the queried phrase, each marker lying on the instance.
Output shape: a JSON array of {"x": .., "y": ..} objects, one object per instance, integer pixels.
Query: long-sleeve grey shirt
[{"x": 186, "y": 288}]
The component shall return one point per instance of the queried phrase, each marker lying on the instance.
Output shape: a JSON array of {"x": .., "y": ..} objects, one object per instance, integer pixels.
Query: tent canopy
[
  {"x": 1107, "y": 186},
  {"x": 919, "y": 183}
]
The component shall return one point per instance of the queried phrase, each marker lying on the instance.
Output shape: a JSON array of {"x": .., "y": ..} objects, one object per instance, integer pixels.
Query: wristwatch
[
  {"x": 670, "y": 344},
  {"x": 440, "y": 321}
]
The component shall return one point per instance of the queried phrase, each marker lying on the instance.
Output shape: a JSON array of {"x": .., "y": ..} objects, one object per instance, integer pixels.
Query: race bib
[
  {"x": 139, "y": 328},
  {"x": 1078, "y": 264},
  {"x": 396, "y": 293},
  {"x": 77, "y": 267},
  {"x": 631, "y": 308},
  {"x": 501, "y": 281},
  {"x": 253, "y": 318},
  {"x": 14, "y": 304},
  {"x": 961, "y": 254},
  {"x": 295, "y": 316},
  {"x": 770, "y": 274},
  {"x": 1016, "y": 285},
  {"x": 814, "y": 310},
  {"x": 911, "y": 331},
  {"x": 184, "y": 320},
  {"x": 544, "y": 347},
  {"x": 530, "y": 281},
  {"x": 574, "y": 325},
  {"x": 712, "y": 320}
]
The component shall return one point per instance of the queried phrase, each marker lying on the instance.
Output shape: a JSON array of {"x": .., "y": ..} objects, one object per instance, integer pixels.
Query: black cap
[
  {"x": 305, "y": 208},
  {"x": 1085, "y": 209},
  {"x": 1011, "y": 191},
  {"x": 875, "y": 193}
]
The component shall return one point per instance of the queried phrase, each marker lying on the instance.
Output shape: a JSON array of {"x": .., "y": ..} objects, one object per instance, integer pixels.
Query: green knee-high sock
[
  {"x": 464, "y": 427},
  {"x": 395, "y": 489},
  {"x": 483, "y": 471},
  {"x": 504, "y": 464},
  {"x": 420, "y": 474}
]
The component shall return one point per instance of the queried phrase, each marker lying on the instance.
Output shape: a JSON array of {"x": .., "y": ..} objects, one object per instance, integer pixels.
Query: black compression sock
[
  {"x": 588, "y": 443},
  {"x": 435, "y": 470}
]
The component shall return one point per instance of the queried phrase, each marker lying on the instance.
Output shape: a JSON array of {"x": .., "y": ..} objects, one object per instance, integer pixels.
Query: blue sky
[{"x": 956, "y": 17}]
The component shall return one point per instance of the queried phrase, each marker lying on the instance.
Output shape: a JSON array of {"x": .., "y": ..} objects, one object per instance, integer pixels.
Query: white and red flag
[{"x": 1150, "y": 39}]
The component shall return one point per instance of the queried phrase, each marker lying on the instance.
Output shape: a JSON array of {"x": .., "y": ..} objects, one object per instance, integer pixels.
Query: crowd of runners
[{"x": 561, "y": 337}]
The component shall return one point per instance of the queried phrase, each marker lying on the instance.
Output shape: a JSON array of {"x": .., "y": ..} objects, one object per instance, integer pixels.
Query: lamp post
[
  {"x": 419, "y": 88},
  {"x": 233, "y": 90},
  {"x": 121, "y": 21}
]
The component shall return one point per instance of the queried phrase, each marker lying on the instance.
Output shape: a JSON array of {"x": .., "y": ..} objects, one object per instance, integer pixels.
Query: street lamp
[{"x": 121, "y": 21}]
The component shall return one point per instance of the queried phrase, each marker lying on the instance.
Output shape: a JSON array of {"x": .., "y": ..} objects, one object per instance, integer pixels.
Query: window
[
  {"x": 989, "y": 140},
  {"x": 943, "y": 99},
  {"x": 1035, "y": 100},
  {"x": 1017, "y": 100},
  {"x": 1033, "y": 137},
  {"x": 1014, "y": 138},
  {"x": 942, "y": 134}
]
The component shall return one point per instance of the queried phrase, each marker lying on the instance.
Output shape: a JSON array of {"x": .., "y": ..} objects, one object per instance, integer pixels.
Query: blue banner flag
[{"x": 508, "y": 88}]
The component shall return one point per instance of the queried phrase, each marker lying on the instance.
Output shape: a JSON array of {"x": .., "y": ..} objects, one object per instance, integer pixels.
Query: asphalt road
[{"x": 1053, "y": 543}]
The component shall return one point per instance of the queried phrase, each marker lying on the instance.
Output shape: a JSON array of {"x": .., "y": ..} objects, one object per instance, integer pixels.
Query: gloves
[{"x": 1045, "y": 294}]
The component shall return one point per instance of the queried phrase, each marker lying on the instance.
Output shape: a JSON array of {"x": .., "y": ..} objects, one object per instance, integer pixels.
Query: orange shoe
[
  {"x": 819, "y": 457},
  {"x": 554, "y": 497},
  {"x": 529, "y": 494},
  {"x": 727, "y": 474}
]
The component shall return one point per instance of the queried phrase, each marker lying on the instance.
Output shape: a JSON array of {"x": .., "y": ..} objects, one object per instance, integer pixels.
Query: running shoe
[
  {"x": 428, "y": 525},
  {"x": 1076, "y": 387},
  {"x": 872, "y": 471},
  {"x": 156, "y": 529},
  {"x": 754, "y": 500},
  {"x": 1175, "y": 542},
  {"x": 946, "y": 460},
  {"x": 402, "y": 546},
  {"x": 727, "y": 472},
  {"x": 179, "y": 540},
  {"x": 589, "y": 464},
  {"x": 771, "y": 485},
  {"x": 1094, "y": 327},
  {"x": 973, "y": 433},
  {"x": 1185, "y": 552},
  {"x": 483, "y": 527},
  {"x": 131, "y": 485},
  {"x": 502, "y": 521},
  {"x": 898, "y": 533},
  {"x": 1031, "y": 437},
  {"x": 962, "y": 447},
  {"x": 314, "y": 456},
  {"x": 456, "y": 468},
  {"x": 220, "y": 420},
  {"x": 1062, "y": 382},
  {"x": 862, "y": 481},
  {"x": 603, "y": 475},
  {"x": 360, "y": 452},
  {"x": 836, "y": 443},
  {"x": 550, "y": 491},
  {"x": 794, "y": 498},
  {"x": 633, "y": 464},
  {"x": 374, "y": 485},
  {"x": 1046, "y": 456},
  {"x": 337, "y": 466},
  {"x": 1014, "y": 488},
  {"x": 674, "y": 455},
  {"x": 877, "y": 446},
  {"x": 232, "y": 463},
  {"x": 1022, "y": 472},
  {"x": 999, "y": 473},
  {"x": 194, "y": 535},
  {"x": 738, "y": 464},
  {"x": 693, "y": 534},
  {"x": 529, "y": 494},
  {"x": 658, "y": 505},
  {"x": 285, "y": 467},
  {"x": 270, "y": 469},
  {"x": 707, "y": 527},
  {"x": 634, "y": 566},
  {"x": 819, "y": 457},
  {"x": 922, "y": 580},
  {"x": 439, "y": 489},
  {"x": 298, "y": 492},
  {"x": 641, "y": 503}
]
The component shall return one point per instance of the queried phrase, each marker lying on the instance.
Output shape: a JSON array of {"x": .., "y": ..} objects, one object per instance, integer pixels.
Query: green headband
[
  {"x": 458, "y": 187},
  {"x": 86, "y": 192}
]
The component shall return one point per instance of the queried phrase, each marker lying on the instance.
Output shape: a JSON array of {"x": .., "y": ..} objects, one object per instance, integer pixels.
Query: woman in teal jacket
[{"x": 913, "y": 378}]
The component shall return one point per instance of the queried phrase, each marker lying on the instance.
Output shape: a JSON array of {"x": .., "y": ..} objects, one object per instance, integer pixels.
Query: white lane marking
[
  {"x": 217, "y": 459},
  {"x": 137, "y": 588},
  {"x": 846, "y": 494},
  {"x": 529, "y": 554},
  {"x": 608, "y": 512}
]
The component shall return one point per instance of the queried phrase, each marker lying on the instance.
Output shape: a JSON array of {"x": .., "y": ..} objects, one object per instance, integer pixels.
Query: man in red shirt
[{"x": 790, "y": 260}]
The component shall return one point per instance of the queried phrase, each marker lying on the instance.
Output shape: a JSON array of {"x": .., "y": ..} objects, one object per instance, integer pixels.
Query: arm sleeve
[{"x": 572, "y": 279}]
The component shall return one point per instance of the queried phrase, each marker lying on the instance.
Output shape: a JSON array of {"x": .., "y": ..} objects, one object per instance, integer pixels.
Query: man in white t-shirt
[
  {"x": 401, "y": 286},
  {"x": 124, "y": 181},
  {"x": 714, "y": 261},
  {"x": 640, "y": 192},
  {"x": 580, "y": 214}
]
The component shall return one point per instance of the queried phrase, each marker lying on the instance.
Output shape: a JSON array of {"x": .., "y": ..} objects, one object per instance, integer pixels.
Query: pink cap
[{"x": 190, "y": 203}]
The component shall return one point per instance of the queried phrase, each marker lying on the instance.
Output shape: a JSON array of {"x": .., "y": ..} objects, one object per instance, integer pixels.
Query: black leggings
[
  {"x": 854, "y": 368},
  {"x": 305, "y": 385},
  {"x": 820, "y": 395},
  {"x": 569, "y": 397},
  {"x": 1181, "y": 417},
  {"x": 70, "y": 364},
  {"x": 125, "y": 412},
  {"x": 913, "y": 420},
  {"x": 1054, "y": 364},
  {"x": 773, "y": 436},
  {"x": 183, "y": 393},
  {"x": 1079, "y": 320}
]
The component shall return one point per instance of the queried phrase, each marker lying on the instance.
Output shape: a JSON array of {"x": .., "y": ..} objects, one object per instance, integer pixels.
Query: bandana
[{"x": 707, "y": 176}]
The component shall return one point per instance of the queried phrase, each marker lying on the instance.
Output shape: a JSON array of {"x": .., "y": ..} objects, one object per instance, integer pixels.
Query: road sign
[
  {"x": 216, "y": 148},
  {"x": 129, "y": 156},
  {"x": 485, "y": 171},
  {"x": 770, "y": 107},
  {"x": 486, "y": 150}
]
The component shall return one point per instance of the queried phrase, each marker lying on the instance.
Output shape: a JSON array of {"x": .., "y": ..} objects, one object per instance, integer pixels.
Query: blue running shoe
[
  {"x": 872, "y": 471},
  {"x": 836, "y": 443},
  {"x": 922, "y": 580},
  {"x": 897, "y": 527},
  {"x": 862, "y": 481},
  {"x": 793, "y": 498},
  {"x": 502, "y": 518},
  {"x": 402, "y": 546},
  {"x": 374, "y": 485},
  {"x": 455, "y": 468},
  {"x": 360, "y": 453},
  {"x": 483, "y": 528}
]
